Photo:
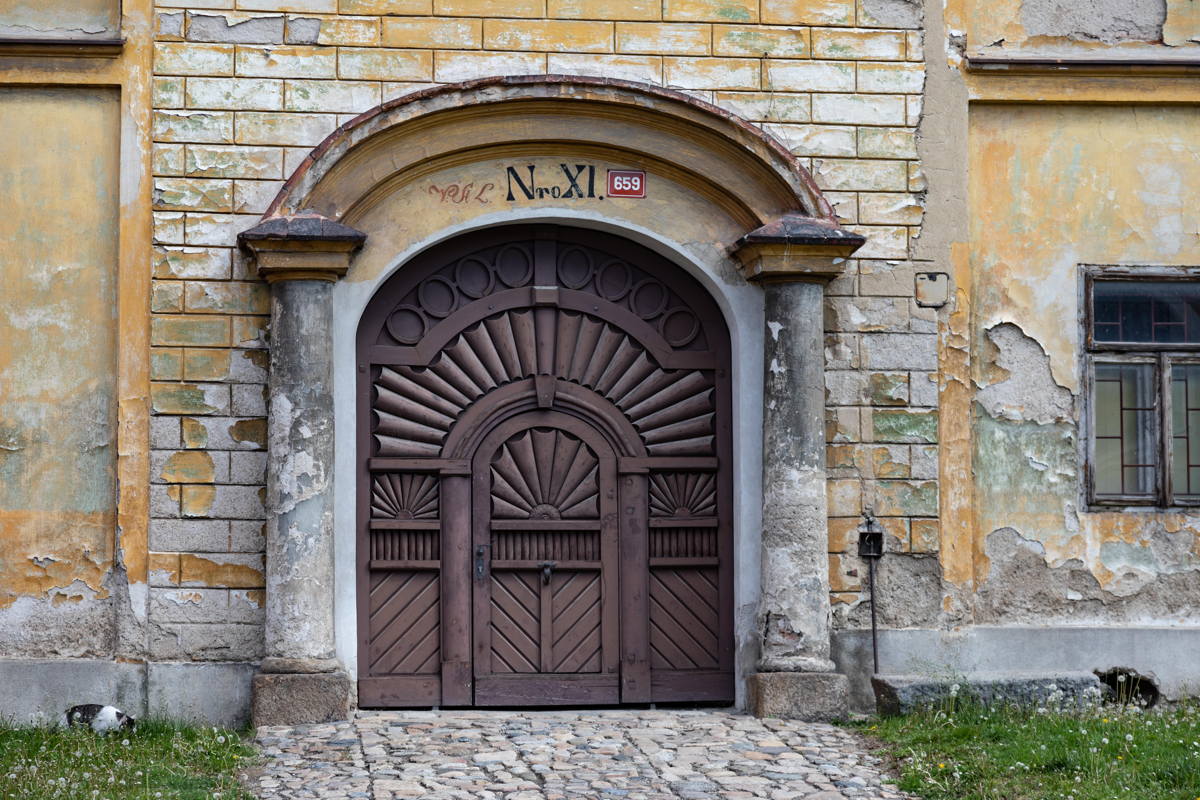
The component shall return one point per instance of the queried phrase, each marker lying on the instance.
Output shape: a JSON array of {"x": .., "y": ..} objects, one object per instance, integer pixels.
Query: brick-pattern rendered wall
[{"x": 243, "y": 89}]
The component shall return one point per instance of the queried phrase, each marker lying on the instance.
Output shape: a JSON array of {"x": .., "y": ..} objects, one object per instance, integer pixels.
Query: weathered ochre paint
[
  {"x": 133, "y": 304},
  {"x": 60, "y": 18},
  {"x": 1053, "y": 187},
  {"x": 1056, "y": 186},
  {"x": 58, "y": 336},
  {"x": 957, "y": 484},
  {"x": 1051, "y": 26},
  {"x": 65, "y": 620}
]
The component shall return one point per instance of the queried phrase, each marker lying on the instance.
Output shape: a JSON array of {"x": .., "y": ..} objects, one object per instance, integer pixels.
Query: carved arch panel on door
[{"x": 510, "y": 321}]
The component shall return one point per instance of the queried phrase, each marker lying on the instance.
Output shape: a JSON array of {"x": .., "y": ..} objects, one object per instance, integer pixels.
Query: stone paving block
[{"x": 535, "y": 755}]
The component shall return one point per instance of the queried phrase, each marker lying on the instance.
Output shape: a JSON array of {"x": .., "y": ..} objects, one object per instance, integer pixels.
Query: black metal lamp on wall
[{"x": 870, "y": 549}]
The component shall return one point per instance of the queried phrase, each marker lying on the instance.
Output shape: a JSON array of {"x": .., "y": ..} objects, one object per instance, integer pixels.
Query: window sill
[
  {"x": 61, "y": 48},
  {"x": 1080, "y": 64},
  {"x": 1138, "y": 508}
]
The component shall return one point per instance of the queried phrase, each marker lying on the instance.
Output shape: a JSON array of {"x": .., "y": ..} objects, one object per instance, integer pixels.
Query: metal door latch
[
  {"x": 547, "y": 571},
  {"x": 480, "y": 565}
]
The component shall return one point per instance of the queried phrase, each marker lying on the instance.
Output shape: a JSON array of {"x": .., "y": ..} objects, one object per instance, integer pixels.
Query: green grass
[
  {"x": 158, "y": 761},
  {"x": 967, "y": 752}
]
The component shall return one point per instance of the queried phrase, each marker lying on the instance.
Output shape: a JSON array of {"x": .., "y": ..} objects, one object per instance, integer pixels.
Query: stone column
[
  {"x": 300, "y": 679},
  {"x": 793, "y": 259}
]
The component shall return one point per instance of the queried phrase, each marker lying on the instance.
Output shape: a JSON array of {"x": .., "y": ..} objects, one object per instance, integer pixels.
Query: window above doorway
[{"x": 1143, "y": 373}]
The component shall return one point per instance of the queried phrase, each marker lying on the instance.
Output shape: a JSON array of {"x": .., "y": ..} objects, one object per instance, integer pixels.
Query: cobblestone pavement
[{"x": 554, "y": 755}]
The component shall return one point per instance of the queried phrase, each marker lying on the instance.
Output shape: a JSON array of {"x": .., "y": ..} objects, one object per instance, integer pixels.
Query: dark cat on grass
[{"x": 101, "y": 719}]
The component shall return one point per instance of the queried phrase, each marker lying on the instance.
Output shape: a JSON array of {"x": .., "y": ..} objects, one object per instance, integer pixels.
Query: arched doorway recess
[
  {"x": 720, "y": 196},
  {"x": 545, "y": 477}
]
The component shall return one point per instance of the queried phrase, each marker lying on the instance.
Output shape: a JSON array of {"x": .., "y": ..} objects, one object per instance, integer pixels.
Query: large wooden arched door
[{"x": 545, "y": 487}]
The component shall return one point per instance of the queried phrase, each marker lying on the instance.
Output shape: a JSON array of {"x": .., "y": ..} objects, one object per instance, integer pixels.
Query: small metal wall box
[
  {"x": 932, "y": 289},
  {"x": 870, "y": 538}
]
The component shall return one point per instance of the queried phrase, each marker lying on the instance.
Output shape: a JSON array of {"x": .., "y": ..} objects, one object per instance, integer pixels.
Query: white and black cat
[{"x": 101, "y": 719}]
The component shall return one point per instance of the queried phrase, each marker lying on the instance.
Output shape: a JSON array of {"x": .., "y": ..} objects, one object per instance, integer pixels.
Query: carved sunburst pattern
[
  {"x": 683, "y": 494},
  {"x": 545, "y": 474},
  {"x": 404, "y": 497},
  {"x": 416, "y": 407}
]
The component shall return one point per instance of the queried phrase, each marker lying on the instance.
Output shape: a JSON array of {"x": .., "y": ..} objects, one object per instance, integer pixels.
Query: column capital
[
  {"x": 796, "y": 248},
  {"x": 301, "y": 247}
]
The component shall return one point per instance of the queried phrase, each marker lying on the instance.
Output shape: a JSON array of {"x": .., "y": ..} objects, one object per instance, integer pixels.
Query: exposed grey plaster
[
  {"x": 893, "y": 13},
  {"x": 1108, "y": 21},
  {"x": 1028, "y": 392},
  {"x": 908, "y": 592},
  {"x": 302, "y": 30},
  {"x": 216, "y": 28},
  {"x": 1022, "y": 588},
  {"x": 40, "y": 627},
  {"x": 170, "y": 24}
]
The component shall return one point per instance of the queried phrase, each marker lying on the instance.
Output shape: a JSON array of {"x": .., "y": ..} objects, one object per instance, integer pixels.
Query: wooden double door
[{"x": 544, "y": 479}]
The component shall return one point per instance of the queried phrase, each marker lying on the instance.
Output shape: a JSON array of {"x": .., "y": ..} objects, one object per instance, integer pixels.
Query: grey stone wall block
[
  {"x": 249, "y": 400},
  {"x": 225, "y": 433},
  {"x": 809, "y": 696},
  {"x": 925, "y": 462},
  {"x": 248, "y": 468},
  {"x": 246, "y": 536},
  {"x": 900, "y": 351},
  {"x": 169, "y": 25},
  {"x": 886, "y": 278},
  {"x": 206, "y": 642},
  {"x": 164, "y": 502},
  {"x": 923, "y": 389},
  {"x": 248, "y": 366},
  {"x": 302, "y": 30},
  {"x": 867, "y": 314},
  {"x": 841, "y": 351},
  {"x": 189, "y": 605},
  {"x": 845, "y": 387},
  {"x": 189, "y": 535},
  {"x": 296, "y": 699},
  {"x": 208, "y": 694},
  {"x": 238, "y": 502},
  {"x": 164, "y": 433}
]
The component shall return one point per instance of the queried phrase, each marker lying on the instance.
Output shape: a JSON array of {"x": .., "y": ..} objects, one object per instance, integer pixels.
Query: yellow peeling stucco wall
[
  {"x": 56, "y": 19},
  {"x": 1052, "y": 26},
  {"x": 1053, "y": 187},
  {"x": 243, "y": 90},
  {"x": 58, "y": 367}
]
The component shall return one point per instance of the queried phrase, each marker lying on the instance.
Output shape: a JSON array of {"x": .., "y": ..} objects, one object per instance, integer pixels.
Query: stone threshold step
[{"x": 900, "y": 694}]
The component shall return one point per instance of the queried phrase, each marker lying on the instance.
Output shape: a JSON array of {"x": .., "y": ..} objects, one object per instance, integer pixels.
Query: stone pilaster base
[
  {"x": 808, "y": 696},
  {"x": 280, "y": 698}
]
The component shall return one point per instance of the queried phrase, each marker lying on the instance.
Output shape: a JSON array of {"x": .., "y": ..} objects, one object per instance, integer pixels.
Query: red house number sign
[{"x": 626, "y": 183}]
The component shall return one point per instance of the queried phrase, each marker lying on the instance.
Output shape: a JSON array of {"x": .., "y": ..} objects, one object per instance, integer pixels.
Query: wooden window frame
[{"x": 1163, "y": 356}]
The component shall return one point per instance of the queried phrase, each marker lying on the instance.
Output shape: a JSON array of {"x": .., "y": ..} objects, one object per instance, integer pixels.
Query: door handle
[
  {"x": 480, "y": 563},
  {"x": 547, "y": 571}
]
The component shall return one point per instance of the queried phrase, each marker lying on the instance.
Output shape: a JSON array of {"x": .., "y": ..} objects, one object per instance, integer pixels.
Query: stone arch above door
[{"x": 715, "y": 152}]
